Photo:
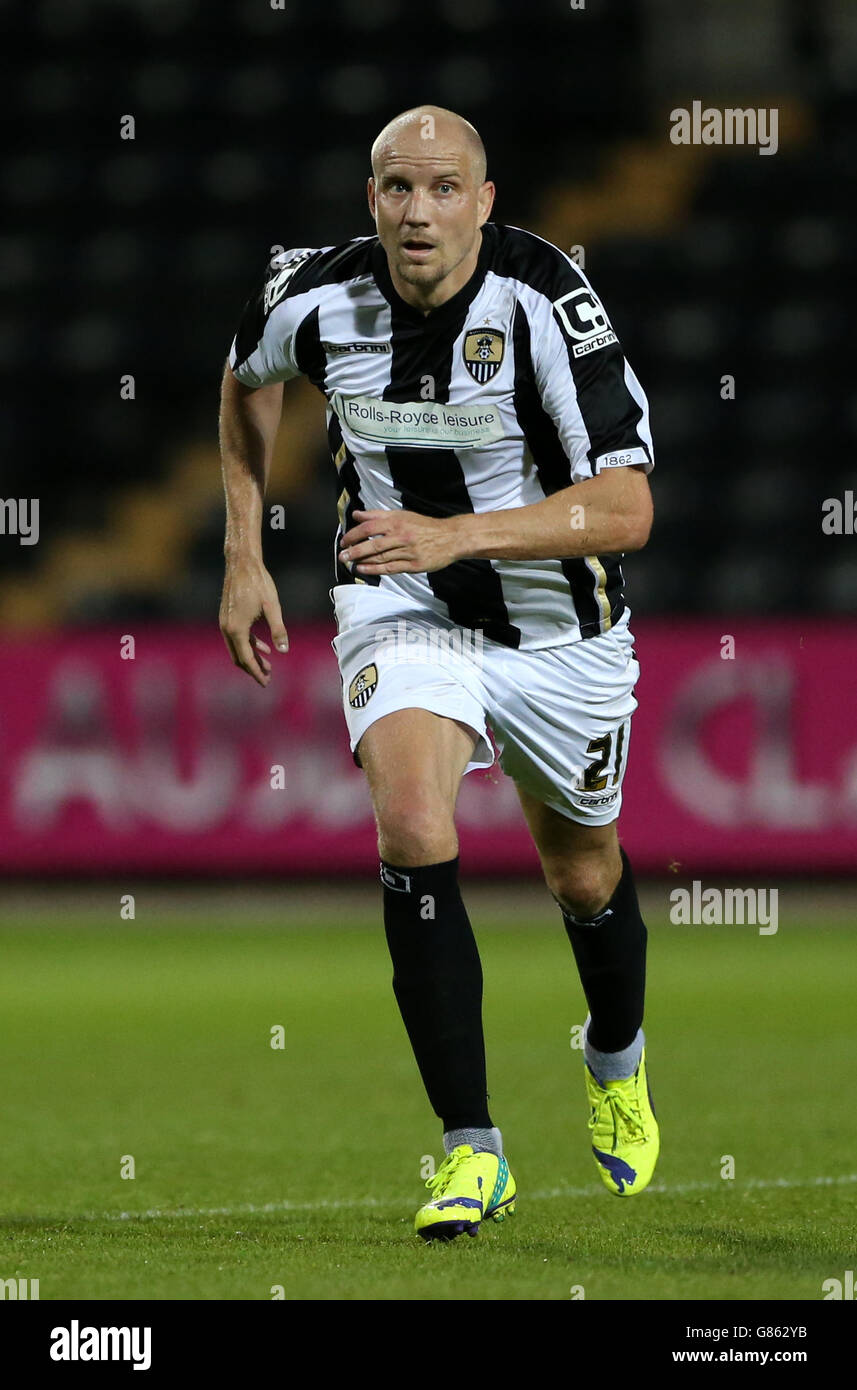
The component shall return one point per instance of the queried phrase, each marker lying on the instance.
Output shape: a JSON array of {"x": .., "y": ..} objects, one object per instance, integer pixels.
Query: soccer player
[{"x": 492, "y": 447}]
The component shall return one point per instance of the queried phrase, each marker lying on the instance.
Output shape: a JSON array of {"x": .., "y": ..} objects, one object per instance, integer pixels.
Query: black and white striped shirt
[{"x": 514, "y": 388}]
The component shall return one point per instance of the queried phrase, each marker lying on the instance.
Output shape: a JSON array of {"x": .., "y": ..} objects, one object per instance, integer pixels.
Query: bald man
[{"x": 492, "y": 447}]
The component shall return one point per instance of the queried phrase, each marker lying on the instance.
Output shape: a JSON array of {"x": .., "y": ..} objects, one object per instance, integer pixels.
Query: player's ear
[
  {"x": 486, "y": 201},
  {"x": 370, "y": 194}
]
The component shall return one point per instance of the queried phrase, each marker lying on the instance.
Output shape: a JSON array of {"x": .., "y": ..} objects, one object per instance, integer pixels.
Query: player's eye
[{"x": 444, "y": 187}]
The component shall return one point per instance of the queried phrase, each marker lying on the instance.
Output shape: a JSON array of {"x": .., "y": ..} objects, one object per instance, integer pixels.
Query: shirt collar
[{"x": 451, "y": 307}]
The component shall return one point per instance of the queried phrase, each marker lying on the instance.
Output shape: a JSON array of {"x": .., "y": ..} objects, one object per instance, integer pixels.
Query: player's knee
[
  {"x": 585, "y": 887},
  {"x": 414, "y": 829}
]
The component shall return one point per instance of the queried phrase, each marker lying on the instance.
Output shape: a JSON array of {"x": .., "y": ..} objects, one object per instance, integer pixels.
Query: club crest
[
  {"x": 362, "y": 688},
  {"x": 483, "y": 352}
]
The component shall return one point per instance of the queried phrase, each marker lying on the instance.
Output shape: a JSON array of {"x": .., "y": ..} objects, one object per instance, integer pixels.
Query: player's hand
[
  {"x": 249, "y": 594},
  {"x": 399, "y": 543}
]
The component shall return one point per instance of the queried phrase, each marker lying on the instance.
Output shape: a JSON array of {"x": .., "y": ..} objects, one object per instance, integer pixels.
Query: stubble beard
[{"x": 422, "y": 277}]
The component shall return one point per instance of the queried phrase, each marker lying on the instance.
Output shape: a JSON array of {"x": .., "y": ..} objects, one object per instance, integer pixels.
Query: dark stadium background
[
  {"x": 252, "y": 130},
  {"x": 166, "y": 909}
]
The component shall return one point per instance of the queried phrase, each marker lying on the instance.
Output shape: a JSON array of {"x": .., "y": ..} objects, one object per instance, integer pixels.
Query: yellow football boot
[
  {"x": 625, "y": 1136},
  {"x": 469, "y": 1187}
]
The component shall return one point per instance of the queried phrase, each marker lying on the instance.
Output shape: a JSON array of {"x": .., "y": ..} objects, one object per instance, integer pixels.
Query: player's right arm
[
  {"x": 249, "y": 419},
  {"x": 261, "y": 358}
]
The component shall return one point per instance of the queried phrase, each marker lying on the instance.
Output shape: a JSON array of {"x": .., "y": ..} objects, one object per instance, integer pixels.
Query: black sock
[
  {"x": 610, "y": 951},
  {"x": 437, "y": 981}
]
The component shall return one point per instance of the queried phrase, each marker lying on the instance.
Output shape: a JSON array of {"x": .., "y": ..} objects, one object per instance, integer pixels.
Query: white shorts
[{"x": 560, "y": 716}]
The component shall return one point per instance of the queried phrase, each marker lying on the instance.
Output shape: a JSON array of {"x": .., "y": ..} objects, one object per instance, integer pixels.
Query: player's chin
[{"x": 421, "y": 272}]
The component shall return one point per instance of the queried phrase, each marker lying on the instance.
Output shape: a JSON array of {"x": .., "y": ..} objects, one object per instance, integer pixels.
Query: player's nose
[{"x": 416, "y": 210}]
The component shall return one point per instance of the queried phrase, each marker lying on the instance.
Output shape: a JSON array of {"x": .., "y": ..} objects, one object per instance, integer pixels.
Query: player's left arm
[
  {"x": 600, "y": 414},
  {"x": 604, "y": 515}
]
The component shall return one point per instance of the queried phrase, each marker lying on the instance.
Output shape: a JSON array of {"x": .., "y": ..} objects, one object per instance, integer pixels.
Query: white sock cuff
[
  {"x": 613, "y": 1066},
  {"x": 486, "y": 1140}
]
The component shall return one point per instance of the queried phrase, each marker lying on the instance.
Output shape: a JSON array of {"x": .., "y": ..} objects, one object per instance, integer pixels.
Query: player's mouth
[{"x": 417, "y": 248}]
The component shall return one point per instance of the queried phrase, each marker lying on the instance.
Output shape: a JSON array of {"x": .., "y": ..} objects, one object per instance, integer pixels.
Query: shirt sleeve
[
  {"x": 263, "y": 349},
  {"x": 586, "y": 385}
]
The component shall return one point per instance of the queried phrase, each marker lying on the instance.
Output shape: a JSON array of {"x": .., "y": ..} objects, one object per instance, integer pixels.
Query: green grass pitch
[{"x": 257, "y": 1167}]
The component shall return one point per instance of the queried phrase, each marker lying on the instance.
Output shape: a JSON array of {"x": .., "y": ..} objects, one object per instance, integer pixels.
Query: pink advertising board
[{"x": 743, "y": 757}]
